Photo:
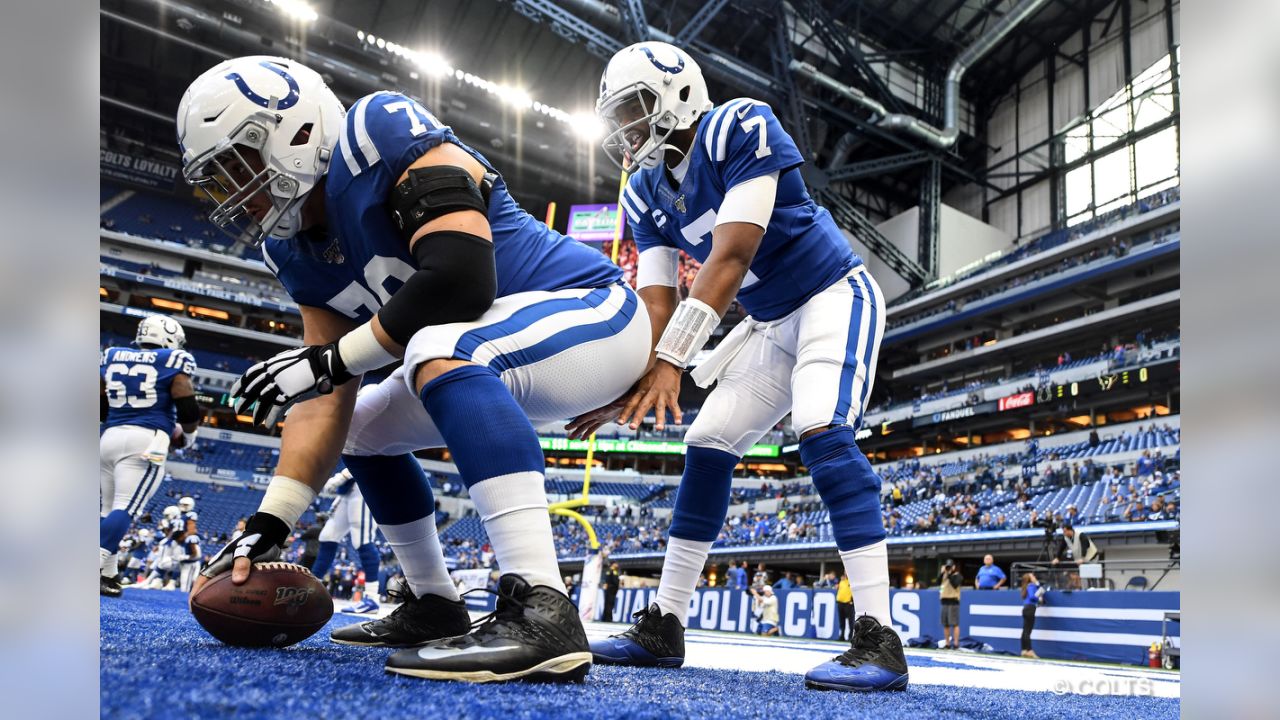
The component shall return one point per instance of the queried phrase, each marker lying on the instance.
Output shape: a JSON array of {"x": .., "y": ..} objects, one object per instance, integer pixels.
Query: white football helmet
[
  {"x": 186, "y": 504},
  {"x": 276, "y": 107},
  {"x": 172, "y": 512},
  {"x": 162, "y": 331},
  {"x": 653, "y": 87}
]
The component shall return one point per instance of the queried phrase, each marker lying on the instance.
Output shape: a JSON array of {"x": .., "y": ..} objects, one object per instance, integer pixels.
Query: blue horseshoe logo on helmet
[
  {"x": 285, "y": 103},
  {"x": 658, "y": 64}
]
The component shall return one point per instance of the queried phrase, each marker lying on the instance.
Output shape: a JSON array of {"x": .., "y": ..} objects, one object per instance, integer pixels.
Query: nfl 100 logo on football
[{"x": 292, "y": 597}]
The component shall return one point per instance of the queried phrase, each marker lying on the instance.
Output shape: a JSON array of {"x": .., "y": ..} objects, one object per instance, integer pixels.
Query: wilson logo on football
[{"x": 293, "y": 596}]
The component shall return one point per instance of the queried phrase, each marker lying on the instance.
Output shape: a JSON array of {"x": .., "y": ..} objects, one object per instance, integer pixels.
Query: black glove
[
  {"x": 287, "y": 377},
  {"x": 262, "y": 541}
]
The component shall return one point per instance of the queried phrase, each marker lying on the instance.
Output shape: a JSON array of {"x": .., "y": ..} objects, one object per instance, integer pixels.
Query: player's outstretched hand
[
  {"x": 583, "y": 426},
  {"x": 262, "y": 540},
  {"x": 288, "y": 377},
  {"x": 658, "y": 390}
]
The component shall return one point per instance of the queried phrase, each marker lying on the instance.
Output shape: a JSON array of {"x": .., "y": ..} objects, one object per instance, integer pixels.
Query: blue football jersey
[
  {"x": 138, "y": 383},
  {"x": 364, "y": 260},
  {"x": 802, "y": 252}
]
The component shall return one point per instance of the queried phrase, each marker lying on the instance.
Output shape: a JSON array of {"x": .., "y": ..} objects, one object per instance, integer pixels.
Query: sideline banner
[{"x": 1106, "y": 626}]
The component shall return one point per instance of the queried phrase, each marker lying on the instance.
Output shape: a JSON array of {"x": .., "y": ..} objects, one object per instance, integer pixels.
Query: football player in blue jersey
[
  {"x": 398, "y": 241},
  {"x": 349, "y": 516},
  {"x": 722, "y": 184},
  {"x": 147, "y": 404}
]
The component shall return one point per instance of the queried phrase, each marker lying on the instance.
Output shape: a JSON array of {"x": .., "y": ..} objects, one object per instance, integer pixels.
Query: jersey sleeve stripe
[
  {"x": 363, "y": 141},
  {"x": 635, "y": 199},
  {"x": 727, "y": 123},
  {"x": 718, "y": 120},
  {"x": 266, "y": 257},
  {"x": 631, "y": 213},
  {"x": 344, "y": 150}
]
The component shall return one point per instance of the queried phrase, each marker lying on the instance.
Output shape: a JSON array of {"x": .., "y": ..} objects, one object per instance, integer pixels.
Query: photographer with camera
[
  {"x": 1071, "y": 549},
  {"x": 951, "y": 580}
]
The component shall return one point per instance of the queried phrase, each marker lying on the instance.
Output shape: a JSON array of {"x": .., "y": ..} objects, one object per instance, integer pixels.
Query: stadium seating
[{"x": 165, "y": 217}]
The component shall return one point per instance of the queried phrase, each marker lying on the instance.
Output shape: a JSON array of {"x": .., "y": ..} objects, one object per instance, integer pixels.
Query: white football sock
[
  {"x": 110, "y": 563},
  {"x": 868, "y": 570},
  {"x": 417, "y": 547},
  {"x": 371, "y": 589},
  {"x": 514, "y": 511},
  {"x": 681, "y": 567}
]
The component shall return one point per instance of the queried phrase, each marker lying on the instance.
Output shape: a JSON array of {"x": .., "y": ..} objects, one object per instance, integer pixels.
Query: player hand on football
[
  {"x": 286, "y": 378},
  {"x": 263, "y": 538},
  {"x": 658, "y": 390},
  {"x": 582, "y": 427}
]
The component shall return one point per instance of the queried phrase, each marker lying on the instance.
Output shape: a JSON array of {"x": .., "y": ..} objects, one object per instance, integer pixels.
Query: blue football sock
[
  {"x": 497, "y": 453},
  {"x": 111, "y": 529},
  {"x": 702, "y": 501},
  {"x": 848, "y": 485},
  {"x": 324, "y": 558},
  {"x": 395, "y": 487},
  {"x": 370, "y": 560}
]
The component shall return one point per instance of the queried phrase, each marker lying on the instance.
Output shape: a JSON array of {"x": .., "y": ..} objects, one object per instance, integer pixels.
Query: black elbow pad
[
  {"x": 456, "y": 281},
  {"x": 188, "y": 409}
]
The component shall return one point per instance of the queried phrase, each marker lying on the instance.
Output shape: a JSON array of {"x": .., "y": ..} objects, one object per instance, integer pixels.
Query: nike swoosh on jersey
[{"x": 430, "y": 653}]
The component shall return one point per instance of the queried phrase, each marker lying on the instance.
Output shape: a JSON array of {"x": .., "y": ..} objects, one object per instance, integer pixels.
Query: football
[{"x": 280, "y": 604}]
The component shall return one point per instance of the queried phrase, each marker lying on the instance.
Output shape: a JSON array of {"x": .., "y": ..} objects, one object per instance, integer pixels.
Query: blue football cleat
[
  {"x": 655, "y": 640},
  {"x": 875, "y": 661},
  {"x": 366, "y": 606}
]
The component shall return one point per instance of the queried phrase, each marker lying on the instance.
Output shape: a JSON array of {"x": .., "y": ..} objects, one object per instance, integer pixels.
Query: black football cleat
[
  {"x": 417, "y": 621},
  {"x": 110, "y": 586},
  {"x": 875, "y": 661},
  {"x": 534, "y": 634},
  {"x": 655, "y": 640}
]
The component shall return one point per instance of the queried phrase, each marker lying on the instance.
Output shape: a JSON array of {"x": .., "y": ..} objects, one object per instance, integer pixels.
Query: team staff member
[
  {"x": 990, "y": 576},
  {"x": 844, "y": 606},
  {"x": 951, "y": 580}
]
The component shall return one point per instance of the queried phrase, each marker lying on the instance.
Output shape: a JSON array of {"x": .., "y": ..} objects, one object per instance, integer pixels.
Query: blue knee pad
[
  {"x": 395, "y": 487},
  {"x": 486, "y": 431},
  {"x": 703, "y": 498},
  {"x": 111, "y": 529},
  {"x": 370, "y": 560},
  {"x": 848, "y": 485},
  {"x": 324, "y": 558}
]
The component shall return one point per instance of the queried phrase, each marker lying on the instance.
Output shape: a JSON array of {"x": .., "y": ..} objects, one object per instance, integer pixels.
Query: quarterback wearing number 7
[{"x": 722, "y": 184}]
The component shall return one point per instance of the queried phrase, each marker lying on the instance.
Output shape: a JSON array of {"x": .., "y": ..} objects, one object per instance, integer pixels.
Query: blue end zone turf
[{"x": 158, "y": 663}]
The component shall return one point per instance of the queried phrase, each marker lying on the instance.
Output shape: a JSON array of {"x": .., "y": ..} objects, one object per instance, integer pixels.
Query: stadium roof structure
[{"x": 483, "y": 64}]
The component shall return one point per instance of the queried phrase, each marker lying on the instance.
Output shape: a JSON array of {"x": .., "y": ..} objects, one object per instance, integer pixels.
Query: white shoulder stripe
[
  {"x": 635, "y": 199},
  {"x": 266, "y": 257},
  {"x": 344, "y": 149},
  {"x": 720, "y": 119},
  {"x": 730, "y": 119},
  {"x": 626, "y": 205},
  {"x": 363, "y": 141}
]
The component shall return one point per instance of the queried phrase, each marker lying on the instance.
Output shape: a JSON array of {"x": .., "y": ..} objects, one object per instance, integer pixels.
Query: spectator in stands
[
  {"x": 950, "y": 580},
  {"x": 1032, "y": 595},
  {"x": 765, "y": 610},
  {"x": 568, "y": 588},
  {"x": 786, "y": 582},
  {"x": 310, "y": 539},
  {"x": 760, "y": 579},
  {"x": 611, "y": 584},
  {"x": 990, "y": 576},
  {"x": 1146, "y": 465},
  {"x": 737, "y": 576}
]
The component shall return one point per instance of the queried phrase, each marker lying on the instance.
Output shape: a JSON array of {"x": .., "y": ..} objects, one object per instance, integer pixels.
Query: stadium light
[
  {"x": 434, "y": 65},
  {"x": 587, "y": 126},
  {"x": 296, "y": 9}
]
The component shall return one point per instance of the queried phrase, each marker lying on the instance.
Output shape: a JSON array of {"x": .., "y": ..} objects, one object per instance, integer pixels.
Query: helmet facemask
[
  {"x": 634, "y": 113},
  {"x": 225, "y": 175}
]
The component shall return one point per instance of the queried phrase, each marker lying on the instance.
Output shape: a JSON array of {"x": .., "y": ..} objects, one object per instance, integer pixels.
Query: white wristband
[
  {"x": 361, "y": 351},
  {"x": 688, "y": 331},
  {"x": 287, "y": 499}
]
